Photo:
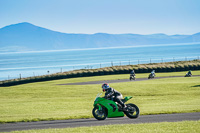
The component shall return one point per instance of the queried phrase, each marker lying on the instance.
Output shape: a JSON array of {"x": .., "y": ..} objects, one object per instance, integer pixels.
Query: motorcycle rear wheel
[
  {"x": 133, "y": 111},
  {"x": 99, "y": 114}
]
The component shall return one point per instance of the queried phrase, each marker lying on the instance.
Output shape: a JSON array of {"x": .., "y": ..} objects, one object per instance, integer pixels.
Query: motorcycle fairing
[{"x": 108, "y": 104}]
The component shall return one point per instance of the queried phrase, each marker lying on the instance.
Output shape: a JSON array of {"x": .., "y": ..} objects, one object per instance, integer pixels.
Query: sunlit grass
[
  {"x": 121, "y": 76},
  {"x": 163, "y": 127},
  {"x": 49, "y": 101}
]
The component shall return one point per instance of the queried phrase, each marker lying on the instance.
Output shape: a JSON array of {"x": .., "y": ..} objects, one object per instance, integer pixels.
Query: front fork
[{"x": 99, "y": 106}]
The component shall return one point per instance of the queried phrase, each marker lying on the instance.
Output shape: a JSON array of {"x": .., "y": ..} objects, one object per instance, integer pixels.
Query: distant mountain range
[{"x": 28, "y": 37}]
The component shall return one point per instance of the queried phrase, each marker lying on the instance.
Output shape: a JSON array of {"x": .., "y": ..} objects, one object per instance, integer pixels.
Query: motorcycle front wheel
[
  {"x": 99, "y": 114},
  {"x": 132, "y": 111}
]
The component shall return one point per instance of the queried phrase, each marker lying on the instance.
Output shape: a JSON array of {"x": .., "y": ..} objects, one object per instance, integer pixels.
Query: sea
[{"x": 35, "y": 63}]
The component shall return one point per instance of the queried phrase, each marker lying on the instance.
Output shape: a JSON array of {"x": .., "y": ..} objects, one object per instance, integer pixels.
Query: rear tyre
[
  {"x": 133, "y": 111},
  {"x": 149, "y": 76},
  {"x": 99, "y": 114}
]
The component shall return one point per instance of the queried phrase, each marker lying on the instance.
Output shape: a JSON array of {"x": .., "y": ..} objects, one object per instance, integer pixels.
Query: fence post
[
  {"x": 150, "y": 60},
  {"x": 20, "y": 76},
  {"x": 111, "y": 63},
  {"x": 138, "y": 62}
]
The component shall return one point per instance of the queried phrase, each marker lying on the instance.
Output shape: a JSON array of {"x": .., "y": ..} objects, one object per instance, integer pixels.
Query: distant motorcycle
[
  {"x": 104, "y": 108},
  {"x": 188, "y": 75},
  {"x": 151, "y": 76},
  {"x": 132, "y": 76}
]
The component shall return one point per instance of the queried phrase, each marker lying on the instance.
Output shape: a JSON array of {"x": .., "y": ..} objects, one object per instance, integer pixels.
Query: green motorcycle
[{"x": 104, "y": 108}]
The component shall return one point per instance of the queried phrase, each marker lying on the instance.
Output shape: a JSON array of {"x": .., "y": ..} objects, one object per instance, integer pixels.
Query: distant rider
[
  {"x": 189, "y": 72},
  {"x": 132, "y": 73},
  {"x": 113, "y": 94},
  {"x": 153, "y": 73}
]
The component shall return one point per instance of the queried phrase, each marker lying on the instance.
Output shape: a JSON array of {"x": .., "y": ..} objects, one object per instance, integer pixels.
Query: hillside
[{"x": 28, "y": 37}]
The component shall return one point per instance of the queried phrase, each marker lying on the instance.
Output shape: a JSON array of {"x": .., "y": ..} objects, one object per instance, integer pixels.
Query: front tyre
[
  {"x": 133, "y": 111},
  {"x": 99, "y": 114}
]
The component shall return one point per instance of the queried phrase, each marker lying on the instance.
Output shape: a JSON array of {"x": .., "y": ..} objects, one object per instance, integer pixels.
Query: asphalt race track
[
  {"x": 93, "y": 122},
  {"x": 121, "y": 80},
  {"x": 109, "y": 121}
]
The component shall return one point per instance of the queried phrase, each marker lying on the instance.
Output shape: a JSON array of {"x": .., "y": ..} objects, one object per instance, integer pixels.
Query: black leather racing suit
[
  {"x": 189, "y": 73},
  {"x": 114, "y": 95},
  {"x": 132, "y": 73}
]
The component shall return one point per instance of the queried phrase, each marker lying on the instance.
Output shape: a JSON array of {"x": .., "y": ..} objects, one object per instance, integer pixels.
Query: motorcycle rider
[
  {"x": 132, "y": 73},
  {"x": 189, "y": 73},
  {"x": 153, "y": 73},
  {"x": 113, "y": 94}
]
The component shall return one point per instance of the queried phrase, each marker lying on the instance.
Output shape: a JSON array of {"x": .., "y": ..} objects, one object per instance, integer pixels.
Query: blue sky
[{"x": 107, "y": 16}]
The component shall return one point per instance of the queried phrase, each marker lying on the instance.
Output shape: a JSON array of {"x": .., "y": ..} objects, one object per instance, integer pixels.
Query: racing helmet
[{"x": 105, "y": 86}]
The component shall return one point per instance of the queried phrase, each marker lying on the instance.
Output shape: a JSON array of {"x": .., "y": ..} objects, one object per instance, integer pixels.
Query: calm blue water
[{"x": 39, "y": 63}]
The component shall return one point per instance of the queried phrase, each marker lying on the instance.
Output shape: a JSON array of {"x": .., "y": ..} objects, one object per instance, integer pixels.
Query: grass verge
[
  {"x": 49, "y": 101},
  {"x": 163, "y": 127}
]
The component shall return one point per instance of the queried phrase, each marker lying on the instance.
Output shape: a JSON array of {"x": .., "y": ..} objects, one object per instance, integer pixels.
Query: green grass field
[
  {"x": 49, "y": 101},
  {"x": 163, "y": 127}
]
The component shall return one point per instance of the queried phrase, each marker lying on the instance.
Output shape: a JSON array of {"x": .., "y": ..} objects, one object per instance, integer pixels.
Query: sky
[{"x": 105, "y": 16}]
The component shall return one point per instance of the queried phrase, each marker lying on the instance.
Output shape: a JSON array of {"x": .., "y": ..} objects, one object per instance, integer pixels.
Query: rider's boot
[{"x": 124, "y": 108}]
